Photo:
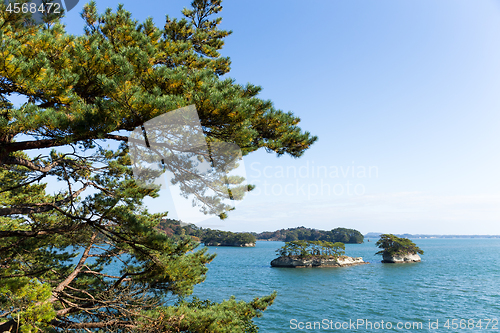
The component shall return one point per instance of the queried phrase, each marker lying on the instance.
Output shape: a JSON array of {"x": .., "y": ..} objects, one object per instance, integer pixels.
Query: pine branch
[
  {"x": 15, "y": 160},
  {"x": 76, "y": 271},
  {"x": 40, "y": 207},
  {"x": 105, "y": 324}
]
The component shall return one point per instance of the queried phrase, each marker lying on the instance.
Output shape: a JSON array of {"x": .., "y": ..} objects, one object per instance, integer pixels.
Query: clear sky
[{"x": 403, "y": 95}]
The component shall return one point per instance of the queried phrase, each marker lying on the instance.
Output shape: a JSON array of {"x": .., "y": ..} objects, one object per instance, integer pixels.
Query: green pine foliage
[
  {"x": 311, "y": 249},
  {"x": 393, "y": 245},
  {"x": 229, "y": 316},
  {"x": 83, "y": 93}
]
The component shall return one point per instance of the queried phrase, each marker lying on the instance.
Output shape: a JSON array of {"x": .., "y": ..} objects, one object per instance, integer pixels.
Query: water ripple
[{"x": 449, "y": 283}]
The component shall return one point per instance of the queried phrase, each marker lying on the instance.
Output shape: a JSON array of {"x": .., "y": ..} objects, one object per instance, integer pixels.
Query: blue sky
[{"x": 406, "y": 88}]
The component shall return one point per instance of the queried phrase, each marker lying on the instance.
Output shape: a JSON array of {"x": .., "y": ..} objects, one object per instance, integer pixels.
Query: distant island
[
  {"x": 213, "y": 237},
  {"x": 228, "y": 238},
  {"x": 377, "y": 235},
  {"x": 206, "y": 236},
  {"x": 343, "y": 235},
  {"x": 300, "y": 254},
  {"x": 396, "y": 250}
]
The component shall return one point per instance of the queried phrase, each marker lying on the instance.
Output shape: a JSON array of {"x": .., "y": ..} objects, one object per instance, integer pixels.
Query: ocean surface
[{"x": 456, "y": 285}]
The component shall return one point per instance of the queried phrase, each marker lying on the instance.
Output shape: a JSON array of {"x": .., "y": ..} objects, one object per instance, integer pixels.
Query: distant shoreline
[
  {"x": 368, "y": 236},
  {"x": 377, "y": 235}
]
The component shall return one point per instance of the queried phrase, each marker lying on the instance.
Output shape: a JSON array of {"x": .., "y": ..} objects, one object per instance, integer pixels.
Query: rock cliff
[
  {"x": 400, "y": 258},
  {"x": 286, "y": 261},
  {"x": 230, "y": 244}
]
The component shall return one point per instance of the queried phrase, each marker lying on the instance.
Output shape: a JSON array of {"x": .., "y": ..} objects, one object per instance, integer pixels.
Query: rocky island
[
  {"x": 317, "y": 262},
  {"x": 397, "y": 250},
  {"x": 400, "y": 258},
  {"x": 301, "y": 254}
]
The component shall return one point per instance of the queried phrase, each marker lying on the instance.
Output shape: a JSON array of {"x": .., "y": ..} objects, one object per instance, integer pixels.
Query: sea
[{"x": 455, "y": 288}]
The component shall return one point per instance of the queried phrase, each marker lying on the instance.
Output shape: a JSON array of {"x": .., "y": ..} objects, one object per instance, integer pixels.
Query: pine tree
[
  {"x": 394, "y": 245},
  {"x": 83, "y": 92}
]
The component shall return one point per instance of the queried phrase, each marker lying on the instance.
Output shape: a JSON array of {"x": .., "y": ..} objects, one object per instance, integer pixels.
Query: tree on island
[
  {"x": 392, "y": 245},
  {"x": 80, "y": 91},
  {"x": 311, "y": 249}
]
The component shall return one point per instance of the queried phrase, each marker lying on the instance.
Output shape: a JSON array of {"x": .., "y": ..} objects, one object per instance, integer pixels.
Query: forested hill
[
  {"x": 302, "y": 233},
  {"x": 377, "y": 235},
  {"x": 218, "y": 237},
  {"x": 206, "y": 236}
]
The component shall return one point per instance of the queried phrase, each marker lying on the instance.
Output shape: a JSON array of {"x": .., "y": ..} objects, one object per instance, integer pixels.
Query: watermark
[
  {"x": 309, "y": 190},
  {"x": 40, "y": 8},
  {"x": 173, "y": 149},
  {"x": 375, "y": 325},
  {"x": 310, "y": 171},
  {"x": 311, "y": 180}
]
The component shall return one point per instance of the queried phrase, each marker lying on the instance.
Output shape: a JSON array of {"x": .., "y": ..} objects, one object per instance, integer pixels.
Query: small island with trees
[
  {"x": 398, "y": 250},
  {"x": 300, "y": 253}
]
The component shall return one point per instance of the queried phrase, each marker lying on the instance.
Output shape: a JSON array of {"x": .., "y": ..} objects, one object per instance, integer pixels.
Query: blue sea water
[{"x": 456, "y": 284}]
